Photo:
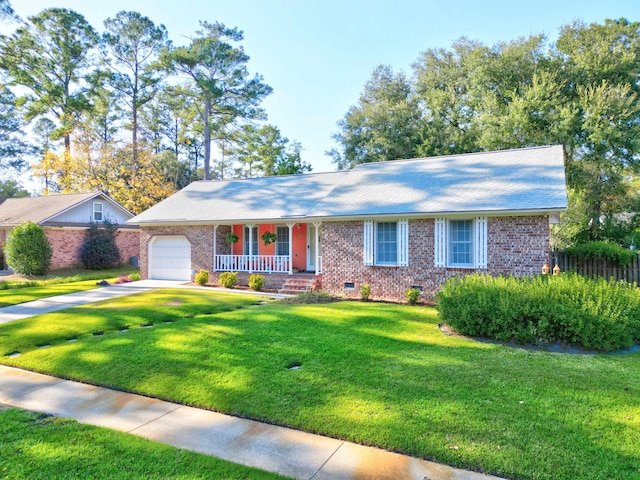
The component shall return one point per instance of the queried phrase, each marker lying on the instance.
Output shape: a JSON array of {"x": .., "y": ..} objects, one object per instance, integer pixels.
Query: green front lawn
[
  {"x": 13, "y": 292},
  {"x": 372, "y": 373},
  {"x": 36, "y": 446}
]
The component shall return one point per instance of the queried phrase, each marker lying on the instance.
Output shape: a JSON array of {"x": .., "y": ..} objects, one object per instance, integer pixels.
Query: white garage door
[{"x": 170, "y": 258}]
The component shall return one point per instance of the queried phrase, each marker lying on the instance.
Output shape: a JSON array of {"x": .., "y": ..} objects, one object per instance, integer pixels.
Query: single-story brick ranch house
[
  {"x": 66, "y": 218},
  {"x": 392, "y": 225}
]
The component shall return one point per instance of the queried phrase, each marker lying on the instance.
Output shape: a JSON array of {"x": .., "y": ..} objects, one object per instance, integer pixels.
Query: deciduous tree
[{"x": 383, "y": 125}]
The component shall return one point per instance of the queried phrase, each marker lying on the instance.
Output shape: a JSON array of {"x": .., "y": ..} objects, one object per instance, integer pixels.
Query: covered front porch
[{"x": 268, "y": 248}]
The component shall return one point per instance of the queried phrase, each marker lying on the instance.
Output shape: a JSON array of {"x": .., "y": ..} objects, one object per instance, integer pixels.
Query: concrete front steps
[{"x": 298, "y": 284}]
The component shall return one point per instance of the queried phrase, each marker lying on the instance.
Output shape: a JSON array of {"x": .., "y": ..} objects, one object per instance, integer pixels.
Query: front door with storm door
[{"x": 312, "y": 248}]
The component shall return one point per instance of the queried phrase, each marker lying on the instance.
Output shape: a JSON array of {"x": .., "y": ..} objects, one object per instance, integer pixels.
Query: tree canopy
[
  {"x": 125, "y": 110},
  {"x": 581, "y": 91}
]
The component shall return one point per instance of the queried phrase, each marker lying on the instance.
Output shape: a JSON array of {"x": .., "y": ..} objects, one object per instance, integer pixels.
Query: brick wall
[
  {"x": 128, "y": 242},
  {"x": 516, "y": 245},
  {"x": 66, "y": 245}
]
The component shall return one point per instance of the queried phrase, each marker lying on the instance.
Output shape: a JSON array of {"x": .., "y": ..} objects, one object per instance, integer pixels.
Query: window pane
[
  {"x": 97, "y": 212},
  {"x": 282, "y": 244},
  {"x": 386, "y": 243},
  {"x": 461, "y": 243},
  {"x": 254, "y": 240}
]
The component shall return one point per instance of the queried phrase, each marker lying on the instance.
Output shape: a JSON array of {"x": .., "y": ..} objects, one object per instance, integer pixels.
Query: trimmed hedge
[
  {"x": 202, "y": 277},
  {"x": 228, "y": 279},
  {"x": 593, "y": 313},
  {"x": 603, "y": 251},
  {"x": 256, "y": 282},
  {"x": 28, "y": 250}
]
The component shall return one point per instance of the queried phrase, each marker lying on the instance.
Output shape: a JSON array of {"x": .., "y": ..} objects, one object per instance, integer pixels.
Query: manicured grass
[
  {"x": 131, "y": 312},
  {"x": 36, "y": 446},
  {"x": 13, "y": 292},
  {"x": 376, "y": 374}
]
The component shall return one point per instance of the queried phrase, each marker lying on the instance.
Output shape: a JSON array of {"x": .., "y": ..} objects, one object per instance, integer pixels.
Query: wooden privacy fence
[{"x": 591, "y": 267}]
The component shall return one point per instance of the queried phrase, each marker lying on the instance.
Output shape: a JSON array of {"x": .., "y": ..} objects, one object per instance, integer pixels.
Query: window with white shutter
[
  {"x": 386, "y": 243},
  {"x": 440, "y": 239},
  {"x": 368, "y": 242},
  {"x": 480, "y": 242},
  {"x": 403, "y": 243},
  {"x": 460, "y": 243}
]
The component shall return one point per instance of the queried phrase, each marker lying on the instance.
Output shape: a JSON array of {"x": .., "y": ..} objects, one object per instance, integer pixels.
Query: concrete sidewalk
[
  {"x": 60, "y": 302},
  {"x": 276, "y": 449}
]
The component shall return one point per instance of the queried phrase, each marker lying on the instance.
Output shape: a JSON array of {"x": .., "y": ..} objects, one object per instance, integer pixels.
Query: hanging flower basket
[
  {"x": 232, "y": 238},
  {"x": 268, "y": 238}
]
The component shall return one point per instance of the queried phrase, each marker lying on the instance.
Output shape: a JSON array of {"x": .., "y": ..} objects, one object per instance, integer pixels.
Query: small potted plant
[
  {"x": 232, "y": 238},
  {"x": 268, "y": 238}
]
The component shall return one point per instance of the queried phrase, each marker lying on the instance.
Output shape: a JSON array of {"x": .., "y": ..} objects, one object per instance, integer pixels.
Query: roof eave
[{"x": 348, "y": 217}]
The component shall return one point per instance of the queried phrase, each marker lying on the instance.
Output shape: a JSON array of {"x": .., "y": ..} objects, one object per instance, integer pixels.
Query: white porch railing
[{"x": 252, "y": 263}]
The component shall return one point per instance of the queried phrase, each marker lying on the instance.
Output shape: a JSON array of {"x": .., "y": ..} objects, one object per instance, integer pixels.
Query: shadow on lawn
[{"x": 377, "y": 374}]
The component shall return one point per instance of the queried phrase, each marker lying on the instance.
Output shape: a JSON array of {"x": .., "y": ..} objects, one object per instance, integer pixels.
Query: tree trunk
[
  {"x": 134, "y": 126},
  {"x": 207, "y": 138}
]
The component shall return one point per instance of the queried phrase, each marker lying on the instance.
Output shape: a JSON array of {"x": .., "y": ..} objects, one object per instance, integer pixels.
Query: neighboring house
[
  {"x": 392, "y": 225},
  {"x": 65, "y": 219}
]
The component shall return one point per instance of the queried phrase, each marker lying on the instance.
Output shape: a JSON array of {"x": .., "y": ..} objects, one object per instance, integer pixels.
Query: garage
[{"x": 170, "y": 258}]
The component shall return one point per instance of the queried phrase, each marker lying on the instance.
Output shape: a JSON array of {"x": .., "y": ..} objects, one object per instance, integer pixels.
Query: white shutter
[
  {"x": 440, "y": 242},
  {"x": 480, "y": 242},
  {"x": 403, "y": 243},
  {"x": 368, "y": 242}
]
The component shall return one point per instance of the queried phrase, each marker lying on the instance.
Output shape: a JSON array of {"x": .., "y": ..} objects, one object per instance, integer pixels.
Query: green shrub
[
  {"x": 592, "y": 313},
  {"x": 134, "y": 277},
  {"x": 99, "y": 250},
  {"x": 611, "y": 252},
  {"x": 256, "y": 282},
  {"x": 202, "y": 277},
  {"x": 365, "y": 292},
  {"x": 28, "y": 250},
  {"x": 412, "y": 295},
  {"x": 228, "y": 279}
]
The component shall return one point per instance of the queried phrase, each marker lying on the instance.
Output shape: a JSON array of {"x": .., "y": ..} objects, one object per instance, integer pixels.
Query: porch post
[
  {"x": 316, "y": 226},
  {"x": 290, "y": 225},
  {"x": 215, "y": 236},
  {"x": 250, "y": 227}
]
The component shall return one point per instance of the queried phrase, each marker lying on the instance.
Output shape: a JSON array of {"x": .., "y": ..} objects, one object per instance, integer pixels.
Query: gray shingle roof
[
  {"x": 14, "y": 211},
  {"x": 521, "y": 180}
]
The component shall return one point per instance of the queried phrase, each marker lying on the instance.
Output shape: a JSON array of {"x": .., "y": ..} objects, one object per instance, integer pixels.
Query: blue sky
[{"x": 317, "y": 55}]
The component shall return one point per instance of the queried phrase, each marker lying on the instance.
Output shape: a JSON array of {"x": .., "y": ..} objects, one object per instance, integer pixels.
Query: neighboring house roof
[
  {"x": 44, "y": 210},
  {"x": 522, "y": 180}
]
